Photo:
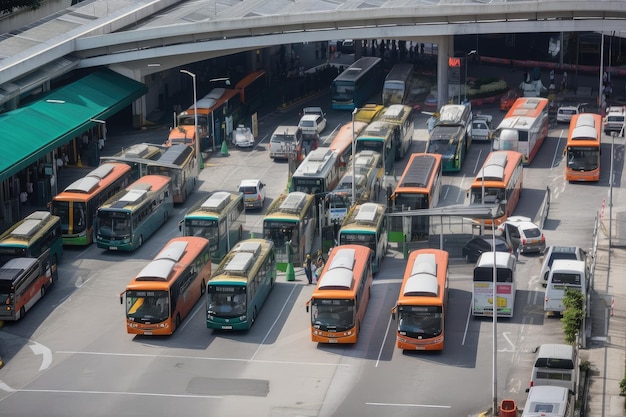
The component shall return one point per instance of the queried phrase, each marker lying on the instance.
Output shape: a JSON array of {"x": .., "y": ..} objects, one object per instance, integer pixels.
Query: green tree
[{"x": 573, "y": 315}]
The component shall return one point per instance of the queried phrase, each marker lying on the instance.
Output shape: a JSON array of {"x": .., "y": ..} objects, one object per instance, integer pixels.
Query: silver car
[{"x": 553, "y": 253}]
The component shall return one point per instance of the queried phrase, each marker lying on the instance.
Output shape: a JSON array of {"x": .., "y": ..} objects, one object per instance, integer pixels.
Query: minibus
[
  {"x": 555, "y": 365},
  {"x": 564, "y": 274}
]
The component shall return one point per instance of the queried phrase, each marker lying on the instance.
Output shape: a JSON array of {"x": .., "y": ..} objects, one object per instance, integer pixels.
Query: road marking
[
  {"x": 39, "y": 349},
  {"x": 202, "y": 358},
  {"x": 138, "y": 394},
  {"x": 410, "y": 405}
]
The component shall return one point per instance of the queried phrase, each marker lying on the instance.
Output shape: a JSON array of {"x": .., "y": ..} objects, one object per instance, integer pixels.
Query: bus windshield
[
  {"x": 147, "y": 306},
  {"x": 205, "y": 228},
  {"x": 114, "y": 224},
  {"x": 281, "y": 232},
  {"x": 412, "y": 201},
  {"x": 332, "y": 315},
  {"x": 364, "y": 239},
  {"x": 445, "y": 147},
  {"x": 420, "y": 321},
  {"x": 492, "y": 195},
  {"x": 62, "y": 209},
  {"x": 582, "y": 158},
  {"x": 226, "y": 300},
  {"x": 370, "y": 145}
]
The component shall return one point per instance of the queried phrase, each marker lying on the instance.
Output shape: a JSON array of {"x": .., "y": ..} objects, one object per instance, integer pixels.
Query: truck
[{"x": 481, "y": 127}]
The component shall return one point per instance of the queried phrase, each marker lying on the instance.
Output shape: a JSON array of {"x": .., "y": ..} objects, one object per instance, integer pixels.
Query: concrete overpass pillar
[{"x": 445, "y": 44}]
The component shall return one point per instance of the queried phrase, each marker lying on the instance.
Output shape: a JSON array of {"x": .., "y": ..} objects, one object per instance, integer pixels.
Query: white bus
[
  {"x": 547, "y": 401},
  {"x": 318, "y": 174},
  {"x": 482, "y": 288},
  {"x": 555, "y": 365}
]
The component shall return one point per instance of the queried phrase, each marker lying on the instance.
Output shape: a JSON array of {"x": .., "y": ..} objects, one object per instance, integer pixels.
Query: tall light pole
[
  {"x": 212, "y": 80},
  {"x": 470, "y": 53},
  {"x": 353, "y": 165},
  {"x": 200, "y": 162}
]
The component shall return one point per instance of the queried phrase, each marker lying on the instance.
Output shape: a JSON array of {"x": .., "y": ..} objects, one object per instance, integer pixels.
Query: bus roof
[
  {"x": 366, "y": 214},
  {"x": 523, "y": 113},
  {"x": 454, "y": 114},
  {"x": 399, "y": 72},
  {"x": 26, "y": 229},
  {"x": 502, "y": 260},
  {"x": 498, "y": 167},
  {"x": 344, "y": 137},
  {"x": 242, "y": 261},
  {"x": 14, "y": 267},
  {"x": 215, "y": 204},
  {"x": 249, "y": 79},
  {"x": 97, "y": 178},
  {"x": 357, "y": 69},
  {"x": 424, "y": 281},
  {"x": 396, "y": 113},
  {"x": 317, "y": 163},
  {"x": 137, "y": 192},
  {"x": 419, "y": 170},
  {"x": 368, "y": 113},
  {"x": 378, "y": 129},
  {"x": 292, "y": 204}
]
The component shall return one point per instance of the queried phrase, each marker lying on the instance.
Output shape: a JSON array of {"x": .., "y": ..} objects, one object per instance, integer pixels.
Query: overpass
[{"x": 142, "y": 37}]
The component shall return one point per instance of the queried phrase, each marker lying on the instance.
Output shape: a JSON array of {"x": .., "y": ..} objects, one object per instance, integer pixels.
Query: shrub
[{"x": 573, "y": 315}]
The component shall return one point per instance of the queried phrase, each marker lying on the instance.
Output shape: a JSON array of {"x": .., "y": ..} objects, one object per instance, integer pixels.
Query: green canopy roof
[{"x": 29, "y": 133}]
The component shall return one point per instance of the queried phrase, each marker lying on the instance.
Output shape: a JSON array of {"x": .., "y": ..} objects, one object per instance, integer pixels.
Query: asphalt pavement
[{"x": 606, "y": 342}]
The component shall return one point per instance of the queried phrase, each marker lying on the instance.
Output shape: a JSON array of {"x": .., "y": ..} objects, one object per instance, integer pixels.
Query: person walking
[{"x": 307, "y": 269}]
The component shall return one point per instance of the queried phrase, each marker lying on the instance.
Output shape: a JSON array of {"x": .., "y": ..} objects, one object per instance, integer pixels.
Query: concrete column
[{"x": 444, "y": 46}]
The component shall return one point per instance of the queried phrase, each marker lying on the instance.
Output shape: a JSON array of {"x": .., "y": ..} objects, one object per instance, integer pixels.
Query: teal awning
[{"x": 31, "y": 132}]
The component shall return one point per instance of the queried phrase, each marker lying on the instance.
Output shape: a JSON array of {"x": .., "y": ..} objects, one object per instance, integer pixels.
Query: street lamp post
[
  {"x": 212, "y": 80},
  {"x": 353, "y": 165},
  {"x": 470, "y": 53},
  {"x": 200, "y": 162}
]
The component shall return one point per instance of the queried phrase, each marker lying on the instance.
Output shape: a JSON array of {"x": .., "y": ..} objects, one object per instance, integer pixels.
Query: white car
[
  {"x": 314, "y": 123},
  {"x": 553, "y": 253},
  {"x": 242, "y": 137},
  {"x": 564, "y": 113},
  {"x": 253, "y": 193},
  {"x": 523, "y": 235}
]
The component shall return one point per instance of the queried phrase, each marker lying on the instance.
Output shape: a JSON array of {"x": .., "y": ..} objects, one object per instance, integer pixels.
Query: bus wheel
[
  {"x": 177, "y": 322},
  {"x": 22, "y": 312},
  {"x": 165, "y": 216},
  {"x": 140, "y": 240},
  {"x": 54, "y": 269},
  {"x": 43, "y": 291},
  {"x": 254, "y": 315},
  {"x": 240, "y": 233},
  {"x": 202, "y": 288}
]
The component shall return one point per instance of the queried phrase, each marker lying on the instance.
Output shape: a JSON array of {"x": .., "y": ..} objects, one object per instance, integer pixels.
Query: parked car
[
  {"x": 564, "y": 113},
  {"x": 553, "y": 253},
  {"x": 312, "y": 123},
  {"x": 242, "y": 137},
  {"x": 523, "y": 235},
  {"x": 507, "y": 100},
  {"x": 253, "y": 193},
  {"x": 484, "y": 243},
  {"x": 614, "y": 120}
]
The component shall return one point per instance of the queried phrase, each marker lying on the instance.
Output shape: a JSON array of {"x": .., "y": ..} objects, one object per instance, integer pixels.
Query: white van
[
  {"x": 564, "y": 274},
  {"x": 555, "y": 365},
  {"x": 547, "y": 401}
]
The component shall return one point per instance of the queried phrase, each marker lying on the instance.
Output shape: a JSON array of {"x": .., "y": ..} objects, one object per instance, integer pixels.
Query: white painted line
[
  {"x": 39, "y": 349},
  {"x": 382, "y": 344},
  {"x": 137, "y": 394},
  {"x": 410, "y": 405},
  {"x": 469, "y": 315}
]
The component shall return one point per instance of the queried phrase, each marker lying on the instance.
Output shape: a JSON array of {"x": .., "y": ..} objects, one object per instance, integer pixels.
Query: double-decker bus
[
  {"x": 78, "y": 203},
  {"x": 422, "y": 302},
  {"x": 218, "y": 218},
  {"x": 137, "y": 156},
  {"x": 159, "y": 298},
  {"x": 483, "y": 281},
  {"x": 378, "y": 137},
  {"x": 23, "y": 281},
  {"x": 366, "y": 225},
  {"x": 451, "y": 136},
  {"x": 524, "y": 128},
  {"x": 582, "y": 150},
  {"x": 179, "y": 163},
  {"x": 339, "y": 301},
  {"x": 401, "y": 118},
  {"x": 252, "y": 89},
  {"x": 397, "y": 84},
  {"x": 342, "y": 142},
  {"x": 290, "y": 223},
  {"x": 240, "y": 285},
  {"x": 135, "y": 213},
  {"x": 318, "y": 174},
  {"x": 221, "y": 106},
  {"x": 33, "y": 236},
  {"x": 499, "y": 181},
  {"x": 357, "y": 83},
  {"x": 419, "y": 188}
]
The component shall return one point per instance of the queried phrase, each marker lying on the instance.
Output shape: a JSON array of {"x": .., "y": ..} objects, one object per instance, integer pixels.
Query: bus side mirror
[
  {"x": 307, "y": 306},
  {"x": 180, "y": 226},
  {"x": 121, "y": 298}
]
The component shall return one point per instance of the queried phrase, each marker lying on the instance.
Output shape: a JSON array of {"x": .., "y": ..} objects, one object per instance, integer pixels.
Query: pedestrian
[
  {"x": 307, "y": 269},
  {"x": 552, "y": 76},
  {"x": 564, "y": 81}
]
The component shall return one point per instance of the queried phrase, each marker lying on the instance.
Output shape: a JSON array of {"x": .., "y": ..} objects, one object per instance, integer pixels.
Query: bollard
[
  {"x": 290, "y": 273},
  {"x": 405, "y": 249},
  {"x": 224, "y": 148}
]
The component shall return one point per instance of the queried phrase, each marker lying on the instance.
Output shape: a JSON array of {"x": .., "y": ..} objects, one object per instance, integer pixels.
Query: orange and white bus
[
  {"x": 165, "y": 291},
  {"x": 78, "y": 203},
  {"x": 418, "y": 188},
  {"x": 524, "y": 128},
  {"x": 499, "y": 181},
  {"x": 340, "y": 298},
  {"x": 342, "y": 141},
  {"x": 252, "y": 89},
  {"x": 421, "y": 306},
  {"x": 583, "y": 148}
]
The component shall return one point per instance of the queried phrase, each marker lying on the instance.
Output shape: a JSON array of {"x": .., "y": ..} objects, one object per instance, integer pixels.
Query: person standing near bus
[{"x": 307, "y": 269}]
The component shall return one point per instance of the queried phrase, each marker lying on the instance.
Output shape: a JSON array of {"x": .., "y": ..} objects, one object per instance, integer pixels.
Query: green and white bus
[
  {"x": 240, "y": 285},
  {"x": 218, "y": 218},
  {"x": 135, "y": 213},
  {"x": 290, "y": 223},
  {"x": 366, "y": 225}
]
